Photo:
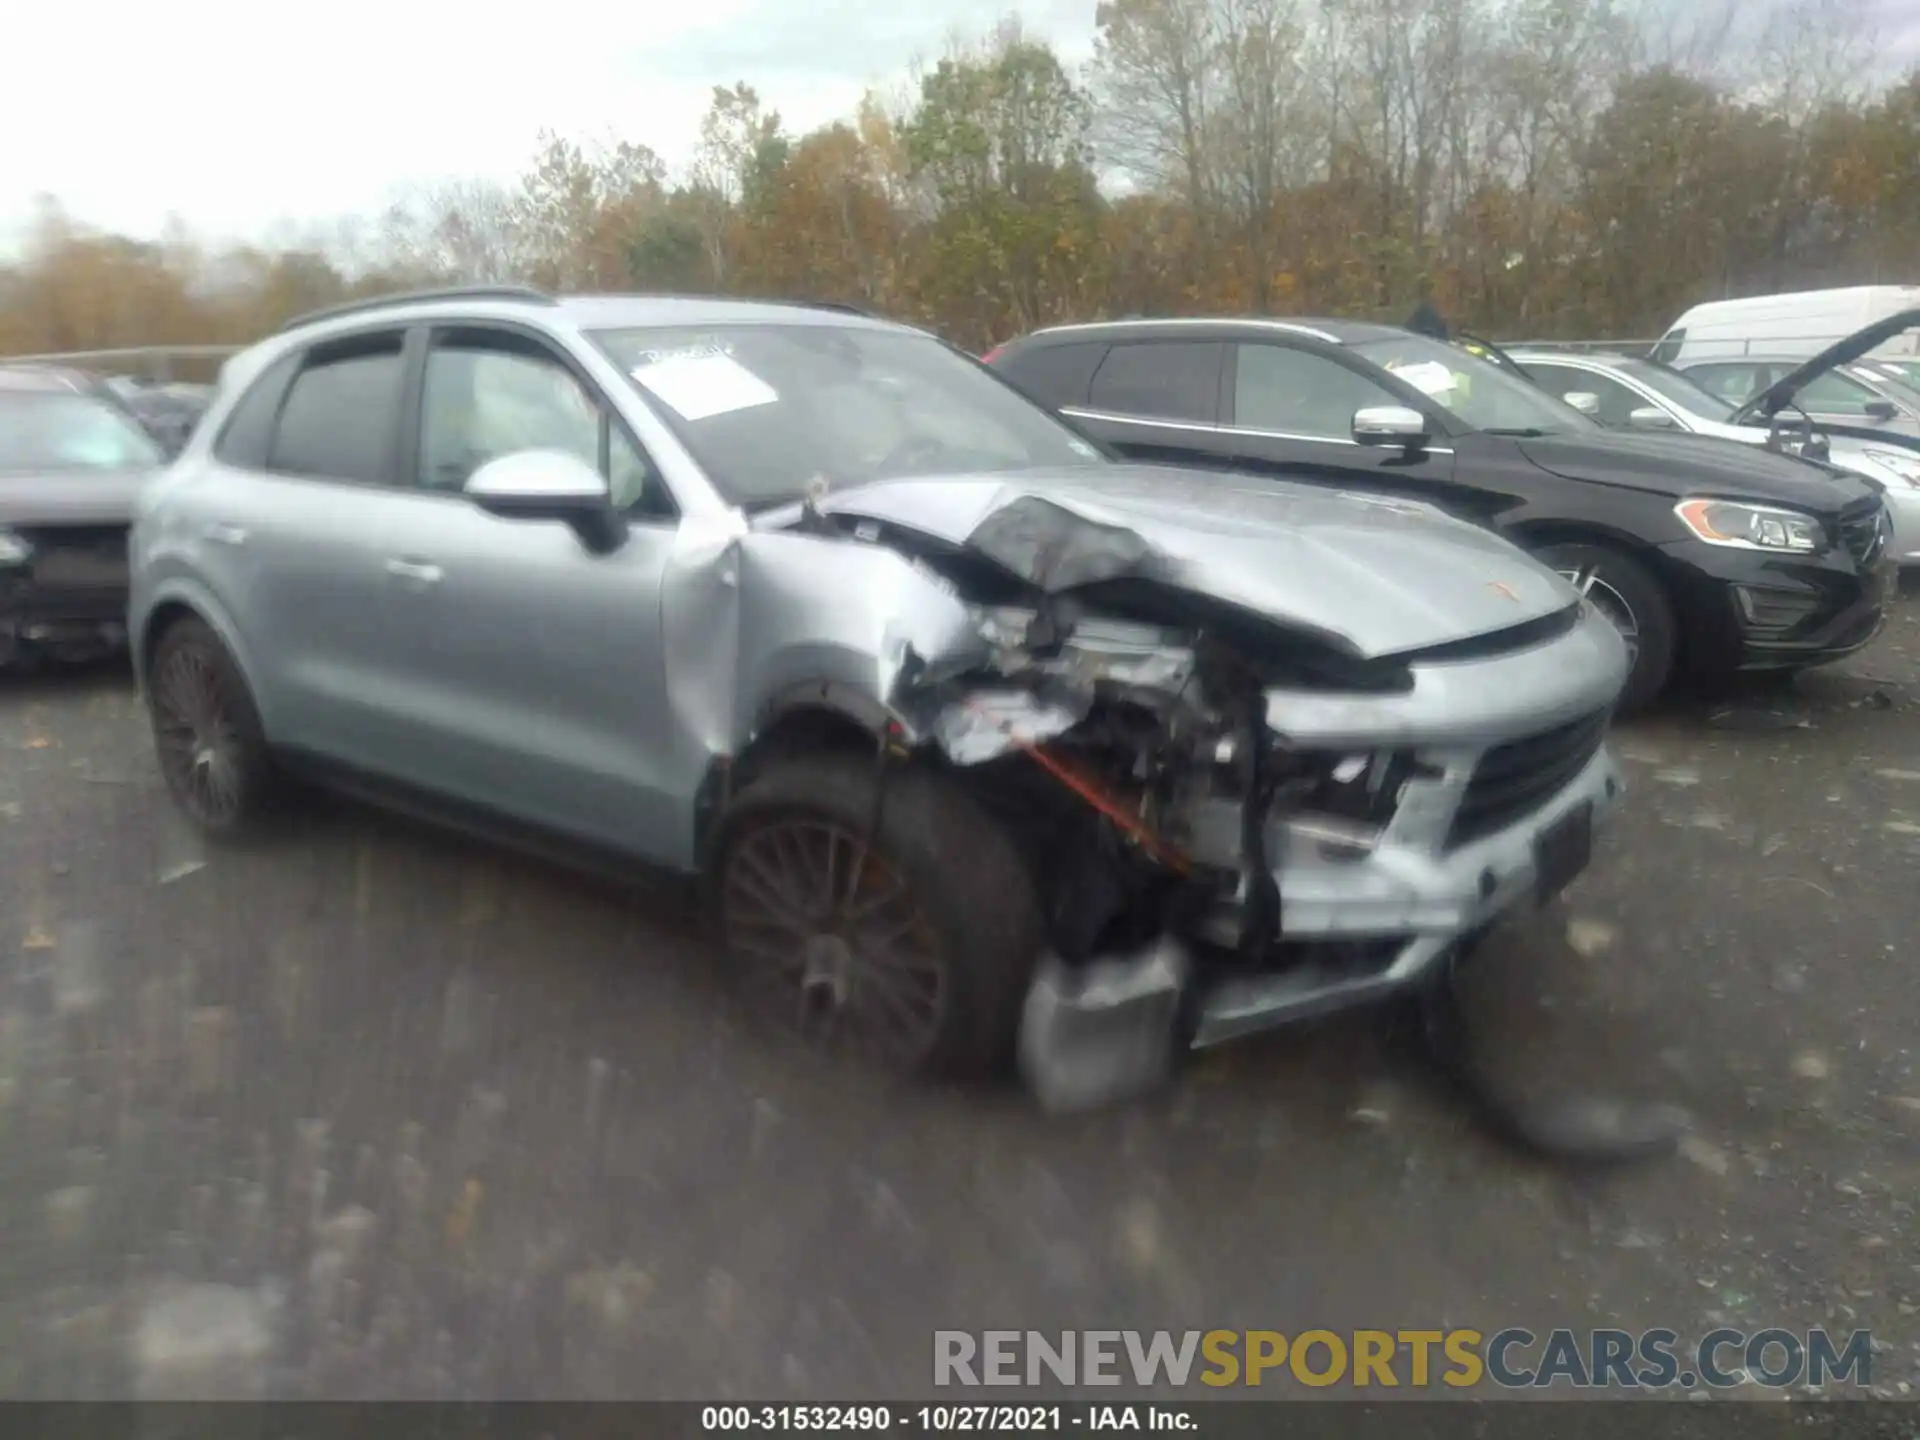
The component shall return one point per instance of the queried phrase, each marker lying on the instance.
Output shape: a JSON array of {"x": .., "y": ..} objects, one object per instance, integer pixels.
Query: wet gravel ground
[{"x": 368, "y": 1111}]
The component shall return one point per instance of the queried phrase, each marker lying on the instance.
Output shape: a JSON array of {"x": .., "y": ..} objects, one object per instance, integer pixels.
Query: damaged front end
[{"x": 1235, "y": 818}]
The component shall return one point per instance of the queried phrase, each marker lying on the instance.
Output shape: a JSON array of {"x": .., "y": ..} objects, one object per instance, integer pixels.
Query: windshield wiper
[{"x": 1525, "y": 433}]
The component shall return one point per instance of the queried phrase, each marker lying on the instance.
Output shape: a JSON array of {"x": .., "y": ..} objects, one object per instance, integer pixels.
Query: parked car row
[
  {"x": 1711, "y": 558},
  {"x": 1178, "y": 678}
]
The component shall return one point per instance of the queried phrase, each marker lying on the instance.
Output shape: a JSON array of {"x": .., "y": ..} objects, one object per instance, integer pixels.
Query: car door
[
  {"x": 1158, "y": 400},
  {"x": 289, "y": 525},
  {"x": 533, "y": 682},
  {"x": 1291, "y": 412}
]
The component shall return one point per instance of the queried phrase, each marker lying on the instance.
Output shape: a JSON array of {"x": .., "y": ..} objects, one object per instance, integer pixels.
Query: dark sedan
[
  {"x": 1712, "y": 557},
  {"x": 71, "y": 463}
]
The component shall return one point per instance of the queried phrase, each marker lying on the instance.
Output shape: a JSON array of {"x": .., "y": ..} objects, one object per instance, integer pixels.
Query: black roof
[{"x": 1327, "y": 330}]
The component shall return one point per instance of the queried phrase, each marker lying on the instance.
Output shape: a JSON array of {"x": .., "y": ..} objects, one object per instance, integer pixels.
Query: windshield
[
  {"x": 769, "y": 409},
  {"x": 1889, "y": 382},
  {"x": 1907, "y": 371},
  {"x": 49, "y": 430},
  {"x": 1689, "y": 395},
  {"x": 1475, "y": 390}
]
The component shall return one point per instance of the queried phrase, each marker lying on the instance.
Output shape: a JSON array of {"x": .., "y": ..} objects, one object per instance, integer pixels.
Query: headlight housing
[
  {"x": 1903, "y": 463},
  {"x": 14, "y": 550},
  {"x": 1743, "y": 526}
]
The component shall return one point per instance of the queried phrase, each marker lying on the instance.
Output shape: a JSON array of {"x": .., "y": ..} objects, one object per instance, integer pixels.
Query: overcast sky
[{"x": 235, "y": 115}]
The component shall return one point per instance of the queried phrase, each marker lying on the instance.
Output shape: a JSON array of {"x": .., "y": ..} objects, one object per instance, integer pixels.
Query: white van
[{"x": 1796, "y": 326}]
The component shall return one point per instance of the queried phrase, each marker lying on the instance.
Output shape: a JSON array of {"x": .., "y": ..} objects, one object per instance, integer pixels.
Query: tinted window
[
  {"x": 770, "y": 410},
  {"x": 249, "y": 429},
  {"x": 53, "y": 430},
  {"x": 1736, "y": 384},
  {"x": 1668, "y": 350},
  {"x": 1682, "y": 390},
  {"x": 1617, "y": 402},
  {"x": 1056, "y": 375},
  {"x": 339, "y": 418},
  {"x": 489, "y": 395},
  {"x": 1162, "y": 380},
  {"x": 1833, "y": 394},
  {"x": 1277, "y": 387}
]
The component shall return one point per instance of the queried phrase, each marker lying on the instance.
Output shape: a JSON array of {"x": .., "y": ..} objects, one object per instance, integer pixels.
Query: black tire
[
  {"x": 941, "y": 929},
  {"x": 1616, "y": 582},
  {"x": 207, "y": 734}
]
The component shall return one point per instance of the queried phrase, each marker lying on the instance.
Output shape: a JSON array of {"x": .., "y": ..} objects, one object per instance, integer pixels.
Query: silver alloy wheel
[{"x": 1610, "y": 603}]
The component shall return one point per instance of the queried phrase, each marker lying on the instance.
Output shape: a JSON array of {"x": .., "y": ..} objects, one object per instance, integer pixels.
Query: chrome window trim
[
  {"x": 1112, "y": 326},
  {"x": 1197, "y": 428}
]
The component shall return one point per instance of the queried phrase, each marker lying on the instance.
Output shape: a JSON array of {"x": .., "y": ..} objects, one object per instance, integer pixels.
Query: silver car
[
  {"x": 972, "y": 733},
  {"x": 1630, "y": 392}
]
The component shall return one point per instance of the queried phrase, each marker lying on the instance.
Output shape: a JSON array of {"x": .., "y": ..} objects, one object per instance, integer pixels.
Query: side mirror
[
  {"x": 550, "y": 485},
  {"x": 1585, "y": 401},
  {"x": 1650, "y": 417},
  {"x": 1882, "y": 410},
  {"x": 1390, "y": 425}
]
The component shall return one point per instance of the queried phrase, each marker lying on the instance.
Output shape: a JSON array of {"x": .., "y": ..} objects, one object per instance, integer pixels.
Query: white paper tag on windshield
[
  {"x": 697, "y": 386},
  {"x": 1429, "y": 377}
]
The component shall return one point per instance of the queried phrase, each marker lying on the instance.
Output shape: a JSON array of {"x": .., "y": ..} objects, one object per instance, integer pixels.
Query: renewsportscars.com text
[{"x": 1512, "y": 1359}]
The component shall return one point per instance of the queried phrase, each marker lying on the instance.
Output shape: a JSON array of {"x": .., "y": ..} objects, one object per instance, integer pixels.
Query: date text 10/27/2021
[{"x": 944, "y": 1419}]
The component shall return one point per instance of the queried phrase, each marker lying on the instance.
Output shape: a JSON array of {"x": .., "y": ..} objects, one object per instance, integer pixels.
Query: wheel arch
[
  {"x": 181, "y": 601},
  {"x": 817, "y": 717}
]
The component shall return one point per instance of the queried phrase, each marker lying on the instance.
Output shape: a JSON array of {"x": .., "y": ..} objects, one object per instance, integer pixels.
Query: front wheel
[
  {"x": 1623, "y": 590},
  {"x": 206, "y": 732},
  {"x": 886, "y": 916}
]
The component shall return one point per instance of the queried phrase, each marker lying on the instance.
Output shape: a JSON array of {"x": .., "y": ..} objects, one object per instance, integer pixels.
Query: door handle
[
  {"x": 226, "y": 534},
  {"x": 417, "y": 573}
]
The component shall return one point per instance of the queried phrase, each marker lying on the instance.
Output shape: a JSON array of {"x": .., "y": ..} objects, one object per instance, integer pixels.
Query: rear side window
[
  {"x": 341, "y": 415},
  {"x": 1161, "y": 380},
  {"x": 1054, "y": 375},
  {"x": 1735, "y": 384},
  {"x": 248, "y": 433}
]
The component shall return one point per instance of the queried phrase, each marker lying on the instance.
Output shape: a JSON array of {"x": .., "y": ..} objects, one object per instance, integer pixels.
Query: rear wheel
[
  {"x": 895, "y": 923},
  {"x": 206, "y": 731},
  {"x": 1625, "y": 591}
]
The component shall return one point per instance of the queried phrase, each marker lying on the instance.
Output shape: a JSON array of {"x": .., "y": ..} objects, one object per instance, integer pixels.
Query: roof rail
[{"x": 524, "y": 293}]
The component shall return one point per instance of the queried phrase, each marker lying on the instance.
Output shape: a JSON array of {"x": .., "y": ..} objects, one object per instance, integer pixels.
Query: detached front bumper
[
  {"x": 1390, "y": 917},
  {"x": 1510, "y": 778}
]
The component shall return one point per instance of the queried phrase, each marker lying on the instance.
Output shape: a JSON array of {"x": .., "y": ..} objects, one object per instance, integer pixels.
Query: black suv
[{"x": 1712, "y": 557}]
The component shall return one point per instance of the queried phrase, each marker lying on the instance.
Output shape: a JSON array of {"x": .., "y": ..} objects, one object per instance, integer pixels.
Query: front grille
[
  {"x": 1514, "y": 780},
  {"x": 1863, "y": 531}
]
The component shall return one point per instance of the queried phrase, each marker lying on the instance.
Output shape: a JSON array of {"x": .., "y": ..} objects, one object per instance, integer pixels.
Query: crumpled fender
[{"x": 751, "y": 630}]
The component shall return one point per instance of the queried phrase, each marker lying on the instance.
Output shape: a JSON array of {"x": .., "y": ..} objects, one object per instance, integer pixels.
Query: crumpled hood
[
  {"x": 71, "y": 497},
  {"x": 1369, "y": 577},
  {"x": 1668, "y": 462}
]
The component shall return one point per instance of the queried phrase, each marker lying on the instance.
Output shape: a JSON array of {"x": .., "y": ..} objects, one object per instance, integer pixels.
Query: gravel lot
[{"x": 366, "y": 1111}]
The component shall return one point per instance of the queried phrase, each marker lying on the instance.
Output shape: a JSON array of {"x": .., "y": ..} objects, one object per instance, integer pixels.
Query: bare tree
[{"x": 1156, "y": 76}]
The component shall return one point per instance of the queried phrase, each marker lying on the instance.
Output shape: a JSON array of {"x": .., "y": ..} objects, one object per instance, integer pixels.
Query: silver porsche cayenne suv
[{"x": 948, "y": 712}]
